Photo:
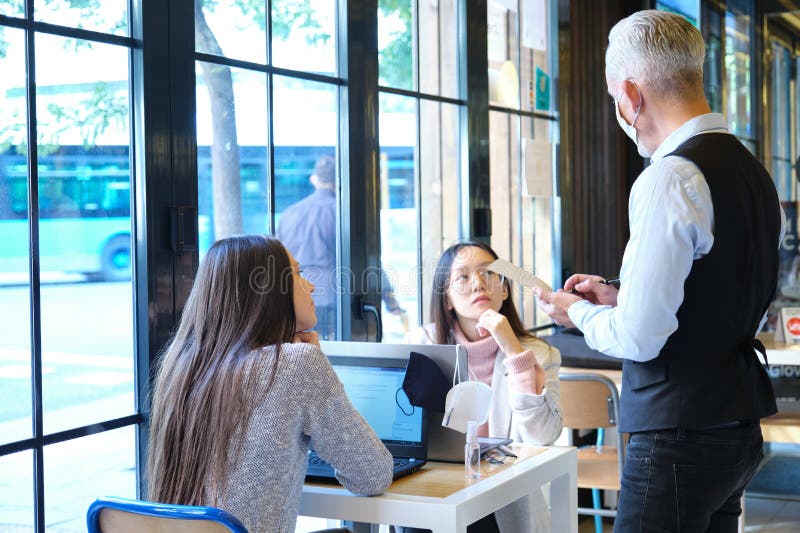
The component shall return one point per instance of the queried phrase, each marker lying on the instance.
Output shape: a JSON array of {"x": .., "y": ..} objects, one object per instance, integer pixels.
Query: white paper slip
[{"x": 518, "y": 275}]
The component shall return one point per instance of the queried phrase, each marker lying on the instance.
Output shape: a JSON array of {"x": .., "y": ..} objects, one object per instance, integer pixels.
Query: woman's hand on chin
[
  {"x": 498, "y": 327},
  {"x": 309, "y": 337}
]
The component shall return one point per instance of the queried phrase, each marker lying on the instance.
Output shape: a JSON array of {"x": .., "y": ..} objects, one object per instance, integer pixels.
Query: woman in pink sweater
[{"x": 472, "y": 306}]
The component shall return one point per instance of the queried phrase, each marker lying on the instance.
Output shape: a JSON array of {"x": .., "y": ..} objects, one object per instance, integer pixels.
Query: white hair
[{"x": 660, "y": 50}]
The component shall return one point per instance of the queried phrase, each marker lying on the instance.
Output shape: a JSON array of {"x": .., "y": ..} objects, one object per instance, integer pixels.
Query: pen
[{"x": 608, "y": 281}]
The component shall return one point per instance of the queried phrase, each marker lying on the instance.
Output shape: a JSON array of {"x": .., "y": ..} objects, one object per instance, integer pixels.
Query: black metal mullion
[
  {"x": 270, "y": 124},
  {"x": 422, "y": 96},
  {"x": 35, "y": 279},
  {"x": 14, "y": 22},
  {"x": 140, "y": 387},
  {"x": 439, "y": 45},
  {"x": 439, "y": 114},
  {"x": 69, "y": 434},
  {"x": 268, "y": 14},
  {"x": 66, "y": 31},
  {"x": 418, "y": 202},
  {"x": 91, "y": 429},
  {"x": 87, "y": 35},
  {"x": 269, "y": 69},
  {"x": 531, "y": 114},
  {"x": 520, "y": 204},
  {"x": 140, "y": 276},
  {"x": 360, "y": 194},
  {"x": 415, "y": 44},
  {"x": 343, "y": 317},
  {"x": 18, "y": 446},
  {"x": 474, "y": 87},
  {"x": 271, "y": 152}
]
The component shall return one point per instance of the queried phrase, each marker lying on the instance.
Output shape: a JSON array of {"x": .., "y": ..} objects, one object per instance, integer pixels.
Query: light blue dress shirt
[{"x": 671, "y": 225}]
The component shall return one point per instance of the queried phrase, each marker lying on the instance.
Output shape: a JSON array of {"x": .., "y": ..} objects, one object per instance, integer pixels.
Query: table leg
[{"x": 564, "y": 502}]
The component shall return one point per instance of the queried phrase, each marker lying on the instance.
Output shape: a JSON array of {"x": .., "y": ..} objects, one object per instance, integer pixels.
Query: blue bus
[
  {"x": 85, "y": 199},
  {"x": 84, "y": 212}
]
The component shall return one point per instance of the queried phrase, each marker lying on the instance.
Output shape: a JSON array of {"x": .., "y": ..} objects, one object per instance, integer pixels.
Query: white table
[{"x": 439, "y": 497}]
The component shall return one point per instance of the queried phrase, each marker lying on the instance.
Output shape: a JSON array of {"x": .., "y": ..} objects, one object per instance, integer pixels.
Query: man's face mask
[{"x": 630, "y": 129}]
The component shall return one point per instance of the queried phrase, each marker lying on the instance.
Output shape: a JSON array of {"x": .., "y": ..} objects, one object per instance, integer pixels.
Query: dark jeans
[
  {"x": 487, "y": 524},
  {"x": 687, "y": 480}
]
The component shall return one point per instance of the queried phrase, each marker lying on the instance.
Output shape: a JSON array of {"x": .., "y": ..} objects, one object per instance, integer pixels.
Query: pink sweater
[{"x": 481, "y": 356}]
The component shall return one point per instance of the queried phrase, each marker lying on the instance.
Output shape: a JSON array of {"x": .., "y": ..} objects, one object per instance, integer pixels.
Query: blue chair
[{"x": 121, "y": 515}]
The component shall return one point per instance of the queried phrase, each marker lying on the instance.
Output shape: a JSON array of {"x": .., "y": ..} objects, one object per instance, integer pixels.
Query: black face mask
[{"x": 425, "y": 384}]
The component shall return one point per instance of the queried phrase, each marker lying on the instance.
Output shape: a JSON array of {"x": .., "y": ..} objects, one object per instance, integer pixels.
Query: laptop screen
[{"x": 377, "y": 394}]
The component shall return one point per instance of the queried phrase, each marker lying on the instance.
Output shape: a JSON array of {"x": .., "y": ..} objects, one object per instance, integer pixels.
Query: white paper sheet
[{"x": 518, "y": 275}]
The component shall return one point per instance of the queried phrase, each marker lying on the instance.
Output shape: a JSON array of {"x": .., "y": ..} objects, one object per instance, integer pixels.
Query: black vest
[{"x": 708, "y": 373}]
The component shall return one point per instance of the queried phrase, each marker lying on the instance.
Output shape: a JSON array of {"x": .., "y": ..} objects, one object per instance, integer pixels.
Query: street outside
[{"x": 87, "y": 359}]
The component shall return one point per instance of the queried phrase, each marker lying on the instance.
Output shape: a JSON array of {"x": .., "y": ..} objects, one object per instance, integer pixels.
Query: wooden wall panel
[{"x": 597, "y": 167}]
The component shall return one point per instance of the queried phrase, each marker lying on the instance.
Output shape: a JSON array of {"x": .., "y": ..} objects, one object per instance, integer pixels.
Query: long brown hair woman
[{"x": 243, "y": 390}]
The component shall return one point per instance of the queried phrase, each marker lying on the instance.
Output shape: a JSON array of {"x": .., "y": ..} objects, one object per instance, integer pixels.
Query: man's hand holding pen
[{"x": 593, "y": 289}]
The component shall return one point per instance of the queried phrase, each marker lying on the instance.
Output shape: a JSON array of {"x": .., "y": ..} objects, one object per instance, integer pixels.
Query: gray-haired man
[{"x": 697, "y": 276}]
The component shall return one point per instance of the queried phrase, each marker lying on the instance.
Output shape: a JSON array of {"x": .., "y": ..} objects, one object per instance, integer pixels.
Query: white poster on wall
[
  {"x": 538, "y": 174},
  {"x": 534, "y": 24},
  {"x": 496, "y": 32}
]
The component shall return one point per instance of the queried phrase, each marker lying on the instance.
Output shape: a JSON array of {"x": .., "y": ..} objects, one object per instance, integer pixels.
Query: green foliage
[
  {"x": 13, "y": 134},
  {"x": 92, "y": 117},
  {"x": 396, "y": 57},
  {"x": 289, "y": 16},
  {"x": 3, "y": 43}
]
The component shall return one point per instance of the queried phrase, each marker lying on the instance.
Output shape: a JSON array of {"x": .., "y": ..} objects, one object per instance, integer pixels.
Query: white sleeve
[{"x": 671, "y": 225}]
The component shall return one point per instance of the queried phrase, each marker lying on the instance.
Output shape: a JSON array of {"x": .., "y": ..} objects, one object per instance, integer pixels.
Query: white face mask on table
[{"x": 467, "y": 401}]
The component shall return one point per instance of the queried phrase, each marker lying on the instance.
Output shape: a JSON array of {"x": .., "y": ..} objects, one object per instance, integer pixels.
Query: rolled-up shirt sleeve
[{"x": 671, "y": 225}]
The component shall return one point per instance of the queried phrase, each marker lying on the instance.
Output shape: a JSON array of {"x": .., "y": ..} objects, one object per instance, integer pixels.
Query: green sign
[{"x": 541, "y": 91}]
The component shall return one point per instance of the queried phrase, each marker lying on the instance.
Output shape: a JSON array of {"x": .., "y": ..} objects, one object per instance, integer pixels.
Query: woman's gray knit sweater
[{"x": 305, "y": 406}]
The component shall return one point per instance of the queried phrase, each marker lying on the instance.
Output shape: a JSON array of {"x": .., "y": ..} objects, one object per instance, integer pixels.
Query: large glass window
[
  {"x": 16, "y": 491},
  {"x": 781, "y": 119},
  {"x": 85, "y": 228},
  {"x": 104, "y": 463},
  {"x": 523, "y": 137},
  {"x": 66, "y": 293},
  {"x": 740, "y": 89},
  {"x": 729, "y": 31},
  {"x": 419, "y": 153},
  {"x": 267, "y": 144},
  {"x": 15, "y": 293}
]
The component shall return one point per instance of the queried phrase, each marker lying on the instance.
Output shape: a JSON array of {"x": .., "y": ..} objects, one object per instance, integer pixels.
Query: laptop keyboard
[{"x": 314, "y": 459}]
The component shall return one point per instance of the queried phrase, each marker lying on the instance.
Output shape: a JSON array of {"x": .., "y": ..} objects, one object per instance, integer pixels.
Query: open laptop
[
  {"x": 444, "y": 444},
  {"x": 372, "y": 385}
]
